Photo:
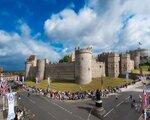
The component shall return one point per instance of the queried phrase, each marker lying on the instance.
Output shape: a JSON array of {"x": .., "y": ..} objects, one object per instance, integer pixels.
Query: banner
[
  {"x": 11, "y": 101},
  {"x": 48, "y": 81},
  {"x": 22, "y": 79}
]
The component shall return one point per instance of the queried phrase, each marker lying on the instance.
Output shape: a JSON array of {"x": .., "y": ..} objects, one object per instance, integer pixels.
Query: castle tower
[
  {"x": 40, "y": 69},
  {"x": 135, "y": 56},
  {"x": 31, "y": 62},
  {"x": 27, "y": 68},
  {"x": 83, "y": 63},
  {"x": 104, "y": 58},
  {"x": 125, "y": 63},
  {"x": 113, "y": 65}
]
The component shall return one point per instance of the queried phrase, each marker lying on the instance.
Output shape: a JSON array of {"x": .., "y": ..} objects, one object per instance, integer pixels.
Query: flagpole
[{"x": 145, "y": 116}]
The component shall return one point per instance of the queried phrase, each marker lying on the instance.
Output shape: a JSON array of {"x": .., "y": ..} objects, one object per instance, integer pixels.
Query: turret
[
  {"x": 113, "y": 64},
  {"x": 125, "y": 63},
  {"x": 83, "y": 61},
  {"x": 40, "y": 69},
  {"x": 27, "y": 68}
]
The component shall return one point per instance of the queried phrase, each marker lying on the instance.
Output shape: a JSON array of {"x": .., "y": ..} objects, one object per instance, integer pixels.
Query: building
[
  {"x": 82, "y": 69},
  {"x": 116, "y": 64},
  {"x": 126, "y": 64},
  {"x": 139, "y": 56}
]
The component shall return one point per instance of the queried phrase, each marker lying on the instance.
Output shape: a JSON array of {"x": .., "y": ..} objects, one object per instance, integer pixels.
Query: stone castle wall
[
  {"x": 113, "y": 65},
  {"x": 60, "y": 71},
  {"x": 98, "y": 69},
  {"x": 68, "y": 70},
  {"x": 126, "y": 64},
  {"x": 83, "y": 64}
]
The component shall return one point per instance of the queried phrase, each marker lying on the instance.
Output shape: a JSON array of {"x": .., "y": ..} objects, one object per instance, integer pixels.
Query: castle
[{"x": 83, "y": 66}]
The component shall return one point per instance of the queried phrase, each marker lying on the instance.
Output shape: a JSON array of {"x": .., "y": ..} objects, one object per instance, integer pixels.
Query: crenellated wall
[
  {"x": 60, "y": 71},
  {"x": 82, "y": 70}
]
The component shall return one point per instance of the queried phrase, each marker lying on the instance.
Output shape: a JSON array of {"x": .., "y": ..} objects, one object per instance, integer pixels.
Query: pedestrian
[
  {"x": 116, "y": 97},
  {"x": 130, "y": 97}
]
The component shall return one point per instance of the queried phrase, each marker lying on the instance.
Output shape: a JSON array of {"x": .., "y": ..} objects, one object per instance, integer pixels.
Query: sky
[{"x": 53, "y": 28}]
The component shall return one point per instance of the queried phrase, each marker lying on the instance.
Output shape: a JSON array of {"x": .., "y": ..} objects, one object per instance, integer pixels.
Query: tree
[{"x": 66, "y": 58}]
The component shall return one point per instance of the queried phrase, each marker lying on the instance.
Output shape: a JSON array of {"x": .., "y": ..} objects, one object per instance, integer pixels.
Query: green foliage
[{"x": 66, "y": 58}]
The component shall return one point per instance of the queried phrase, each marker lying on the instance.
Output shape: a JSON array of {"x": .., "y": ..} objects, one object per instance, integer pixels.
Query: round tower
[
  {"x": 27, "y": 68},
  {"x": 83, "y": 61},
  {"x": 40, "y": 69},
  {"x": 136, "y": 59}
]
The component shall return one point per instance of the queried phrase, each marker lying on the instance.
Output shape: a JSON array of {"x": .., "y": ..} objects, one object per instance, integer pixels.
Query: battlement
[
  {"x": 113, "y": 54},
  {"x": 83, "y": 50},
  {"x": 125, "y": 55},
  {"x": 31, "y": 58}
]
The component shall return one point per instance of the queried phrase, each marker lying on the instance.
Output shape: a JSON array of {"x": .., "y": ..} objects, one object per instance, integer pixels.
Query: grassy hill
[{"x": 66, "y": 85}]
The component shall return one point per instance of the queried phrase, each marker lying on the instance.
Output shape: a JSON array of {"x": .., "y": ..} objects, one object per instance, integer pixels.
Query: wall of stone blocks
[
  {"x": 60, "y": 71},
  {"x": 98, "y": 69},
  {"x": 32, "y": 72}
]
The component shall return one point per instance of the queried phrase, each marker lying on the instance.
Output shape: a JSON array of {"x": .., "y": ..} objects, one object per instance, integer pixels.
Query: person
[
  {"x": 130, "y": 97},
  {"x": 19, "y": 97},
  {"x": 28, "y": 94},
  {"x": 116, "y": 97}
]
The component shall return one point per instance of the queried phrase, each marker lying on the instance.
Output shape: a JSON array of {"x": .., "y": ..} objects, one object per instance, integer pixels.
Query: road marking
[
  {"x": 52, "y": 115},
  {"x": 30, "y": 100},
  {"x": 90, "y": 113},
  {"x": 120, "y": 103},
  {"x": 127, "y": 98},
  {"x": 108, "y": 112},
  {"x": 64, "y": 109}
]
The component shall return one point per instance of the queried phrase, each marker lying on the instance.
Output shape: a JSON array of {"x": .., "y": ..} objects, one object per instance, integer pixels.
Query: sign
[
  {"x": 36, "y": 80},
  {"x": 11, "y": 102},
  {"x": 48, "y": 80}
]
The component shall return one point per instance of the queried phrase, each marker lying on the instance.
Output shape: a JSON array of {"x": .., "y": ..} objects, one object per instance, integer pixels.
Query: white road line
[
  {"x": 120, "y": 103},
  {"x": 64, "y": 109},
  {"x": 90, "y": 113},
  {"x": 108, "y": 112},
  {"x": 48, "y": 112},
  {"x": 30, "y": 100},
  {"x": 52, "y": 115},
  {"x": 127, "y": 98}
]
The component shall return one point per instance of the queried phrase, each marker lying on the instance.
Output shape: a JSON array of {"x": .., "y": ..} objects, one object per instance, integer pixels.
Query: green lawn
[
  {"x": 65, "y": 85},
  {"x": 144, "y": 68}
]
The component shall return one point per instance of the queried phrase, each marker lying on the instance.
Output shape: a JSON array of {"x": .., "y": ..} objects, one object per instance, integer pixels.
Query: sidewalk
[
  {"x": 132, "y": 87},
  {"x": 1, "y": 107}
]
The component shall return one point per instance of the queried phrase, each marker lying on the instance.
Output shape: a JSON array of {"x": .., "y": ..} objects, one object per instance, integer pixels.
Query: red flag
[{"x": 145, "y": 101}]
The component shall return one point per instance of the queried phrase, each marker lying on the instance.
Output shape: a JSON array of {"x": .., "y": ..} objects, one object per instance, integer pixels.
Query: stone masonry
[{"x": 82, "y": 70}]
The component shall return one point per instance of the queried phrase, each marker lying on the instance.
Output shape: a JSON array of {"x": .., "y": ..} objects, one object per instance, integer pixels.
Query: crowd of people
[{"x": 67, "y": 95}]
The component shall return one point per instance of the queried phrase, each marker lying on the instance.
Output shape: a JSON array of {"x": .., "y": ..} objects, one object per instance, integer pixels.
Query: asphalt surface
[{"x": 46, "y": 109}]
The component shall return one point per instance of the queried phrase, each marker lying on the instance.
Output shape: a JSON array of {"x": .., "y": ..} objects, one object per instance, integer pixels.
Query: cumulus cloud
[
  {"x": 104, "y": 24},
  {"x": 14, "y": 48}
]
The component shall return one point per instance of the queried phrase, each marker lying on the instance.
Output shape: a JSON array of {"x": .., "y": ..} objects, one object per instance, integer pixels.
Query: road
[{"x": 45, "y": 109}]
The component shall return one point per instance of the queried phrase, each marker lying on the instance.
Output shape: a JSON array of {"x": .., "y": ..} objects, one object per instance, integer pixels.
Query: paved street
[{"x": 46, "y": 109}]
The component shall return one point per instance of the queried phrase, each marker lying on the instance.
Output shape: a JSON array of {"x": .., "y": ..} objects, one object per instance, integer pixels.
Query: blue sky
[{"x": 52, "y": 28}]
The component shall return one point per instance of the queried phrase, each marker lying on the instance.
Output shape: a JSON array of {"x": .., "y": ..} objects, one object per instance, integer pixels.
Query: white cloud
[
  {"x": 15, "y": 46},
  {"x": 106, "y": 25}
]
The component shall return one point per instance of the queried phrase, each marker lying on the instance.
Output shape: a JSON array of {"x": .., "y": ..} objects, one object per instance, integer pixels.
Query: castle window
[
  {"x": 100, "y": 66},
  {"x": 82, "y": 58},
  {"x": 89, "y": 69}
]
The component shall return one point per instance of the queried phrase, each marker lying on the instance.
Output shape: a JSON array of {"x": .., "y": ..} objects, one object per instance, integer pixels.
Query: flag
[
  {"x": 145, "y": 101},
  {"x": 140, "y": 43},
  {"x": 102, "y": 82}
]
